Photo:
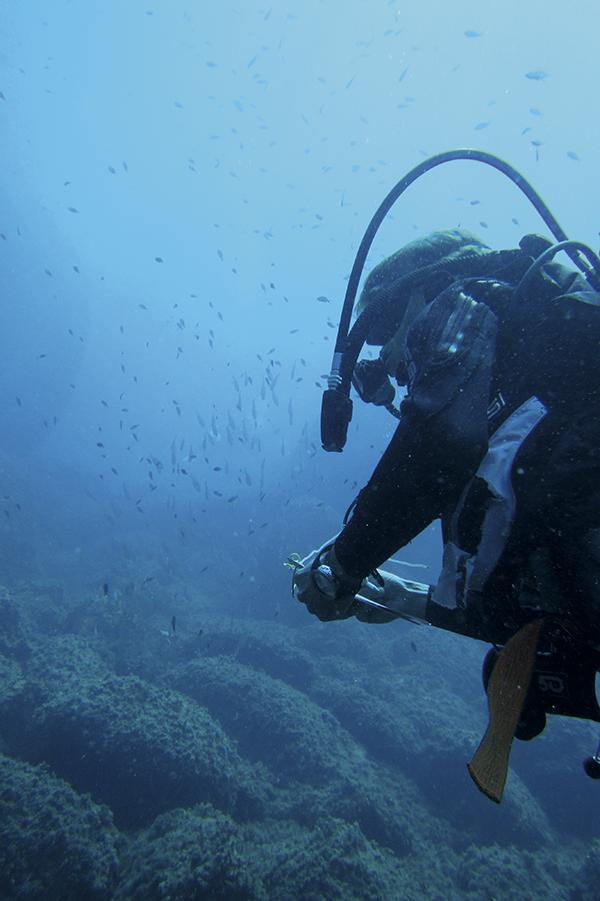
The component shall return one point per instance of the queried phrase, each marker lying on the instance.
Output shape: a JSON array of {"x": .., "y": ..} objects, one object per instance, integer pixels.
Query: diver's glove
[
  {"x": 322, "y": 584},
  {"x": 392, "y": 597},
  {"x": 372, "y": 383}
]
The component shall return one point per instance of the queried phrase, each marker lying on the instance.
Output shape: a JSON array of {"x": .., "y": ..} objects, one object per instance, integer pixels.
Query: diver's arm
[{"x": 441, "y": 438}]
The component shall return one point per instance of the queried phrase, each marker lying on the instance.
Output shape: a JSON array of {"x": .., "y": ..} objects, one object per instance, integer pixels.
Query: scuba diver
[{"x": 499, "y": 437}]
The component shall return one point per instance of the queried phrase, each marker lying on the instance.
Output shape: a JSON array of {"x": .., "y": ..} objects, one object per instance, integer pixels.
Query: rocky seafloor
[{"x": 244, "y": 758}]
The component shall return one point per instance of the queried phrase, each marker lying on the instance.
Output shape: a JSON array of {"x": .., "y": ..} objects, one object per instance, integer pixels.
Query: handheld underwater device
[{"x": 336, "y": 405}]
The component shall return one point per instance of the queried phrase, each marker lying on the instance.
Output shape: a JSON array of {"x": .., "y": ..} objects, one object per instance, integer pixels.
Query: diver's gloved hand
[
  {"x": 392, "y": 597},
  {"x": 322, "y": 584},
  {"x": 372, "y": 383}
]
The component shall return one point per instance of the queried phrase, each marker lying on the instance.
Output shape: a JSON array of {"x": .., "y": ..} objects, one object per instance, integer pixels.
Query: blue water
[{"x": 184, "y": 188}]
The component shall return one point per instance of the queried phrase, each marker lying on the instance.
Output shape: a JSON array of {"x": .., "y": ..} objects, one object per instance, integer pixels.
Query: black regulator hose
[
  {"x": 550, "y": 253},
  {"x": 336, "y": 407}
]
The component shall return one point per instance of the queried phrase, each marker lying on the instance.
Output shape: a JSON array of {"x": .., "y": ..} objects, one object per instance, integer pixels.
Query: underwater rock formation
[
  {"x": 240, "y": 759},
  {"x": 54, "y": 842},
  {"x": 139, "y": 748}
]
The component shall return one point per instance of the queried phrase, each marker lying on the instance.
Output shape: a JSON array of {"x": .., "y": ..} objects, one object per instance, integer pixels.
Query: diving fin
[{"x": 506, "y": 691}]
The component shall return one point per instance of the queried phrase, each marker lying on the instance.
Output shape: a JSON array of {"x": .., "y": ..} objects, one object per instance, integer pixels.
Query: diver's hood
[{"x": 436, "y": 252}]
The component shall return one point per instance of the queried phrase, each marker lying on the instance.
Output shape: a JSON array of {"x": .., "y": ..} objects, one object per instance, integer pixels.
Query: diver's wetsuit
[{"x": 468, "y": 348}]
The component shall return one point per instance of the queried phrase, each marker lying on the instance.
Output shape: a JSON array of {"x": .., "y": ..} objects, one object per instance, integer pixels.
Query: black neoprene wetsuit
[{"x": 469, "y": 346}]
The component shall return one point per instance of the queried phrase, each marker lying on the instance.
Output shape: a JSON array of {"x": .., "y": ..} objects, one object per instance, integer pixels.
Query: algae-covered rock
[
  {"x": 12, "y": 684},
  {"x": 138, "y": 748},
  {"x": 15, "y": 637},
  {"x": 27, "y": 610},
  {"x": 428, "y": 737},
  {"x": 54, "y": 843},
  {"x": 274, "y": 649},
  {"x": 185, "y": 854},
  {"x": 12, "y": 694},
  {"x": 271, "y": 721},
  {"x": 203, "y": 854},
  {"x": 586, "y": 881},
  {"x": 507, "y": 873},
  {"x": 318, "y": 767},
  {"x": 331, "y": 860}
]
